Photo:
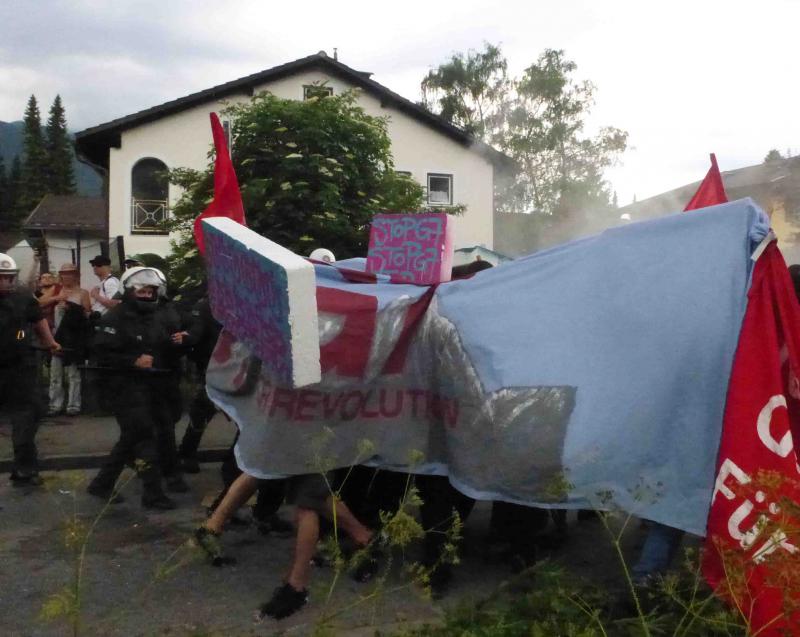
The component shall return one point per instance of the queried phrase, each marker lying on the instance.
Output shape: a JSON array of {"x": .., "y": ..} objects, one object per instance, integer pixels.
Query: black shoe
[
  {"x": 109, "y": 495},
  {"x": 189, "y": 464},
  {"x": 26, "y": 479},
  {"x": 176, "y": 484},
  {"x": 159, "y": 502},
  {"x": 208, "y": 541},
  {"x": 273, "y": 524},
  {"x": 285, "y": 601}
]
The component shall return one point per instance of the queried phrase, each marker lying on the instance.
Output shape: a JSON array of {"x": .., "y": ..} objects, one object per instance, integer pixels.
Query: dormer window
[{"x": 316, "y": 90}]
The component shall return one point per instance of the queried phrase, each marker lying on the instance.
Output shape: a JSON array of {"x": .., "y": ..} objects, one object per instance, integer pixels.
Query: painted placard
[
  {"x": 412, "y": 248},
  {"x": 265, "y": 295}
]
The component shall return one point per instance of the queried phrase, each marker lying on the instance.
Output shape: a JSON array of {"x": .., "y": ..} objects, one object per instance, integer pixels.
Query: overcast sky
[{"x": 683, "y": 78}]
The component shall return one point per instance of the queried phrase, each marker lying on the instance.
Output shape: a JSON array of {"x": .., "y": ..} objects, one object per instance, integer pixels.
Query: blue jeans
[{"x": 659, "y": 548}]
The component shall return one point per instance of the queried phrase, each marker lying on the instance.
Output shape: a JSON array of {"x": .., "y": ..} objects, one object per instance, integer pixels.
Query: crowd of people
[{"x": 132, "y": 340}]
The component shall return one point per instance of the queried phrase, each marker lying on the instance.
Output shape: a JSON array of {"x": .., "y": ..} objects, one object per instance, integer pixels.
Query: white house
[{"x": 452, "y": 166}]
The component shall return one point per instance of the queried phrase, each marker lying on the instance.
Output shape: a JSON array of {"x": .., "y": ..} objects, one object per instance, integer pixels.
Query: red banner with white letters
[{"x": 751, "y": 556}]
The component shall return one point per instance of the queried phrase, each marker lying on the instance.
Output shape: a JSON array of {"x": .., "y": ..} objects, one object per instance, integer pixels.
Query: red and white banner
[{"x": 753, "y": 524}]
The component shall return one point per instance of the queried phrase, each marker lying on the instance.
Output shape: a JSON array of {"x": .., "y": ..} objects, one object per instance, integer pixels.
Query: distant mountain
[{"x": 88, "y": 182}]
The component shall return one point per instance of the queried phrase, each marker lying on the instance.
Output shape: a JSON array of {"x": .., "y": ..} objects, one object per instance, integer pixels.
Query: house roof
[
  {"x": 762, "y": 182},
  {"x": 68, "y": 212},
  {"x": 9, "y": 238},
  {"x": 93, "y": 143}
]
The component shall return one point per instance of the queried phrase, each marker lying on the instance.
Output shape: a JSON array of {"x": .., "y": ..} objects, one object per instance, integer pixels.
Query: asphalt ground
[{"x": 141, "y": 574}]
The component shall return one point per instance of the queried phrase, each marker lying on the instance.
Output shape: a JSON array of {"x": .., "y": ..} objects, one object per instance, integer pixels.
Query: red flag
[
  {"x": 711, "y": 190},
  {"x": 227, "y": 200},
  {"x": 751, "y": 557}
]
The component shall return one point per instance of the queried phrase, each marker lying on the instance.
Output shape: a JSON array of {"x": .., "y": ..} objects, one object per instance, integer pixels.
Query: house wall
[{"x": 183, "y": 140}]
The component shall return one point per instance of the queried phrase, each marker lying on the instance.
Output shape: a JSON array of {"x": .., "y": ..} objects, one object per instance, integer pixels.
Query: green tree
[
  {"x": 10, "y": 217},
  {"x": 60, "y": 176},
  {"x": 472, "y": 91},
  {"x": 33, "y": 182},
  {"x": 538, "y": 119},
  {"x": 773, "y": 155},
  {"x": 312, "y": 174}
]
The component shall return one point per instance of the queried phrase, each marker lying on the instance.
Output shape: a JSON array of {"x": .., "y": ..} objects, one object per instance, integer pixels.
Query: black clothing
[
  {"x": 18, "y": 377},
  {"x": 18, "y": 313},
  {"x": 142, "y": 400},
  {"x": 73, "y": 334},
  {"x": 202, "y": 333}
]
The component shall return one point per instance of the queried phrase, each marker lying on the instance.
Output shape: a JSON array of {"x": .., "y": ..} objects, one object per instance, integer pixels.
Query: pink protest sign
[
  {"x": 265, "y": 296},
  {"x": 414, "y": 248}
]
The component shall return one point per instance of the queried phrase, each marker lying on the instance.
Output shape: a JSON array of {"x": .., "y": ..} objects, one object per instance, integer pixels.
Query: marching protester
[
  {"x": 20, "y": 314},
  {"x": 134, "y": 344},
  {"x": 70, "y": 320}
]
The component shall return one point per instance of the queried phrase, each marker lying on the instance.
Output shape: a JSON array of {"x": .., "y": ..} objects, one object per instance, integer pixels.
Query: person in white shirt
[{"x": 103, "y": 294}]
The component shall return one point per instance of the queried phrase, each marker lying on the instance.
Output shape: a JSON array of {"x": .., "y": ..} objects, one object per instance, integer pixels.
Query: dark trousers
[
  {"x": 169, "y": 415},
  {"x": 368, "y": 491},
  {"x": 518, "y": 525},
  {"x": 270, "y": 492},
  {"x": 440, "y": 500},
  {"x": 140, "y": 408},
  {"x": 201, "y": 411},
  {"x": 19, "y": 394}
]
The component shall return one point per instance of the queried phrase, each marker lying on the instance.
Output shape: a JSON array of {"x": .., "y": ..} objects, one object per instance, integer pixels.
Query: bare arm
[{"x": 42, "y": 329}]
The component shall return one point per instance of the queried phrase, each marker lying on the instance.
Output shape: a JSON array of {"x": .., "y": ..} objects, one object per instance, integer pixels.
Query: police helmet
[
  {"x": 142, "y": 276},
  {"x": 8, "y": 273},
  {"x": 322, "y": 254}
]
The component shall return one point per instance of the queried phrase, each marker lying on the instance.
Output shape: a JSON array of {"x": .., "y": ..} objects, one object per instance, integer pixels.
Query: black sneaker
[
  {"x": 276, "y": 525},
  {"x": 109, "y": 495},
  {"x": 208, "y": 541},
  {"x": 159, "y": 502},
  {"x": 285, "y": 601},
  {"x": 176, "y": 484}
]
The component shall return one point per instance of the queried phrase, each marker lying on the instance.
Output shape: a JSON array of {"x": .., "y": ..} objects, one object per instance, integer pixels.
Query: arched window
[{"x": 149, "y": 196}]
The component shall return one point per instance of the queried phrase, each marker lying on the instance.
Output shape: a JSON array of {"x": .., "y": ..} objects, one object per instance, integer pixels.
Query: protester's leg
[
  {"x": 270, "y": 497},
  {"x": 237, "y": 494},
  {"x": 229, "y": 471},
  {"x": 73, "y": 375},
  {"x": 307, "y": 522},
  {"x": 659, "y": 548},
  {"x": 56, "y": 385}
]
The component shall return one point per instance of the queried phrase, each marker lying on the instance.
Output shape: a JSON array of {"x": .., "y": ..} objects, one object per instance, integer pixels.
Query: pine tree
[
  {"x": 60, "y": 176},
  {"x": 10, "y": 217},
  {"x": 33, "y": 181}
]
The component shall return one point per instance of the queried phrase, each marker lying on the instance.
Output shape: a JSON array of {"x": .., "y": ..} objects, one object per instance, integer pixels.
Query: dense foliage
[
  {"x": 537, "y": 119},
  {"x": 312, "y": 174}
]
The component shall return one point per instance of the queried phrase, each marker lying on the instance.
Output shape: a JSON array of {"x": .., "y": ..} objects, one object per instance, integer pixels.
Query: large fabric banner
[{"x": 593, "y": 371}]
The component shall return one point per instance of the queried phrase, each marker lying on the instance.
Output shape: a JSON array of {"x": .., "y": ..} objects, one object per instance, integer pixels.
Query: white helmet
[
  {"x": 8, "y": 267},
  {"x": 322, "y": 254},
  {"x": 143, "y": 276}
]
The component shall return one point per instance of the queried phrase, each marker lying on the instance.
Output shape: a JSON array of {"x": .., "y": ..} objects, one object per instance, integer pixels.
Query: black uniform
[
  {"x": 18, "y": 378},
  {"x": 203, "y": 331},
  {"x": 140, "y": 397}
]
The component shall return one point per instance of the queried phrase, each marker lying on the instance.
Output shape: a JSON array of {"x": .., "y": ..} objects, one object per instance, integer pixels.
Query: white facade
[{"x": 184, "y": 139}]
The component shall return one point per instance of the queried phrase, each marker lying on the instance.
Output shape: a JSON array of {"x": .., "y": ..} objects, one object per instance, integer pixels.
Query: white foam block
[{"x": 265, "y": 295}]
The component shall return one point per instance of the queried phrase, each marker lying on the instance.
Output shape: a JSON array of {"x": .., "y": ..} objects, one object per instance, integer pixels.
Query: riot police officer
[
  {"x": 19, "y": 315},
  {"x": 134, "y": 343}
]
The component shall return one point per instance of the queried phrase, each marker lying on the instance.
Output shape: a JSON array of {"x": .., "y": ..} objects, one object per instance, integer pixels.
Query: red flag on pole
[
  {"x": 711, "y": 190},
  {"x": 751, "y": 548},
  {"x": 227, "y": 200}
]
